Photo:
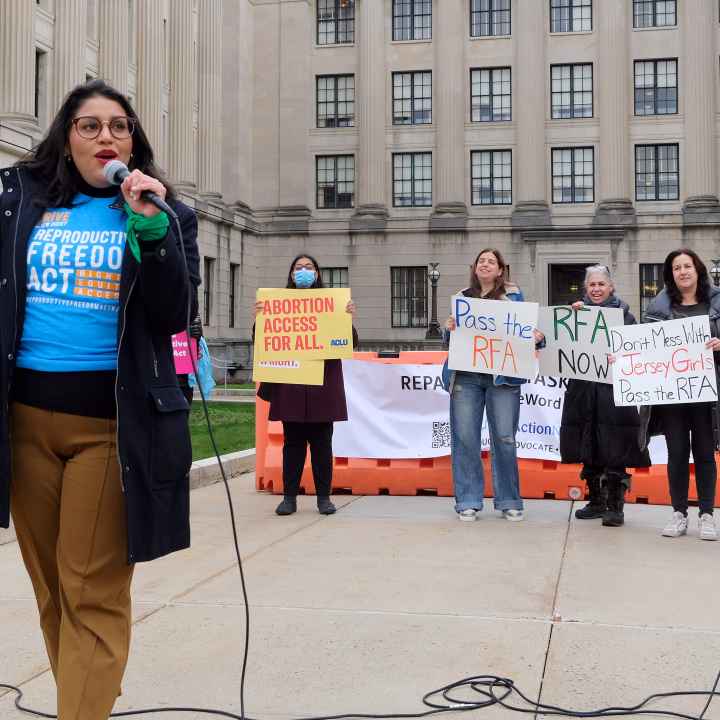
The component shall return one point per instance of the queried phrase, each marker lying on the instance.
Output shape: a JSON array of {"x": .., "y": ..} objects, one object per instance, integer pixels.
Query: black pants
[
  {"x": 298, "y": 435},
  {"x": 590, "y": 472},
  {"x": 685, "y": 426}
]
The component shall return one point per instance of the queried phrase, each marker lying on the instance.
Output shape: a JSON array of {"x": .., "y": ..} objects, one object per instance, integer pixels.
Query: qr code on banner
[{"x": 441, "y": 434}]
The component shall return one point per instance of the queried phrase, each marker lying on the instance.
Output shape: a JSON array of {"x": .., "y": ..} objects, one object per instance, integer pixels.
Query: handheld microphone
[{"x": 116, "y": 171}]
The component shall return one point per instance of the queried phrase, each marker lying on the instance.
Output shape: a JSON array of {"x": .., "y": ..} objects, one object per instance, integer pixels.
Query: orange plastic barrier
[{"x": 433, "y": 476}]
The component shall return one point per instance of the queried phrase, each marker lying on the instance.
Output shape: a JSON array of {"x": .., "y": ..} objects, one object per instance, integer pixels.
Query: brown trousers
[{"x": 69, "y": 515}]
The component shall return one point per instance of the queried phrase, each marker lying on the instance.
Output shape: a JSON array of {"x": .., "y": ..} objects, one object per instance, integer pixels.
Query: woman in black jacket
[
  {"x": 594, "y": 432},
  {"x": 94, "y": 442}
]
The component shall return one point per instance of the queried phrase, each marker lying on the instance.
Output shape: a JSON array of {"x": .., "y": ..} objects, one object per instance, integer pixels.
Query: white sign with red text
[{"x": 663, "y": 363}]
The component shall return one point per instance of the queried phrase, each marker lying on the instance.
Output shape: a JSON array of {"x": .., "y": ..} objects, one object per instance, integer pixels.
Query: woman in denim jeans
[{"x": 473, "y": 394}]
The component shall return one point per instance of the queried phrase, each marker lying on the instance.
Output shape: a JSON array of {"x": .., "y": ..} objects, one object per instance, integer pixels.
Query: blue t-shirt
[{"x": 74, "y": 259}]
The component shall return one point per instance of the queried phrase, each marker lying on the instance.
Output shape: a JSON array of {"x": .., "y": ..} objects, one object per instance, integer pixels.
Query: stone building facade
[{"x": 384, "y": 135}]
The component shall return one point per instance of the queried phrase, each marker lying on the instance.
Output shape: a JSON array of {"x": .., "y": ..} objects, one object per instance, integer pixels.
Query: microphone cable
[{"x": 494, "y": 689}]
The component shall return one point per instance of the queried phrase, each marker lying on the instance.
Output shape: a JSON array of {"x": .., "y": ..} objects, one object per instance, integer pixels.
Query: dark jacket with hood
[
  {"x": 153, "y": 440},
  {"x": 593, "y": 430},
  {"x": 660, "y": 309}
]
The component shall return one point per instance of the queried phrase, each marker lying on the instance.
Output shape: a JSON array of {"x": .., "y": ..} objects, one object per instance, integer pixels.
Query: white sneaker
[
  {"x": 677, "y": 525},
  {"x": 708, "y": 531},
  {"x": 513, "y": 515},
  {"x": 467, "y": 515}
]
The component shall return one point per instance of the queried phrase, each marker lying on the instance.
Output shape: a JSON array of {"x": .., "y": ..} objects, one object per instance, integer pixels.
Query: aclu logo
[{"x": 339, "y": 342}]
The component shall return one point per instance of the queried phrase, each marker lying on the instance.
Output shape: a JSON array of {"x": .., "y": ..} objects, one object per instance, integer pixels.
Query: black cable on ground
[{"x": 492, "y": 689}]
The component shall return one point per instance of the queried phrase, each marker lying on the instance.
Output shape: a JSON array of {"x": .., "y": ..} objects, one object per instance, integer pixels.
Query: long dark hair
[
  {"x": 318, "y": 277},
  {"x": 48, "y": 163},
  {"x": 499, "y": 289},
  {"x": 702, "y": 294}
]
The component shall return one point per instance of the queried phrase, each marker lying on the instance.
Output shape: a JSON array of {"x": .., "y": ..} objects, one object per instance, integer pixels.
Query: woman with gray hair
[{"x": 596, "y": 433}]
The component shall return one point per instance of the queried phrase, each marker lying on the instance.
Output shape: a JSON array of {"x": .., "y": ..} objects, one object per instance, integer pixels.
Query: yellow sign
[
  {"x": 290, "y": 372},
  {"x": 303, "y": 325}
]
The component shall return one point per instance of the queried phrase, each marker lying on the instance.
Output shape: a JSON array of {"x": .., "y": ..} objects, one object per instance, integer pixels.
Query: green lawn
[
  {"x": 237, "y": 386},
  {"x": 233, "y": 427}
]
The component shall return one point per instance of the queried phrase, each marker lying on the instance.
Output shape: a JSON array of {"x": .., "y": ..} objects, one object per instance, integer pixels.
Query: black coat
[
  {"x": 154, "y": 447},
  {"x": 593, "y": 430}
]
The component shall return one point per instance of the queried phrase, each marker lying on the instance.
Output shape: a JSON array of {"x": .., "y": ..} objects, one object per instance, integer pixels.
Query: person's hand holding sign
[
  {"x": 350, "y": 307},
  {"x": 259, "y": 307},
  {"x": 450, "y": 324},
  {"x": 713, "y": 344}
]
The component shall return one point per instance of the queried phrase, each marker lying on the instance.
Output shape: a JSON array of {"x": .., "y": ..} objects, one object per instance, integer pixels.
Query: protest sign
[
  {"x": 303, "y": 325},
  {"x": 493, "y": 336},
  {"x": 663, "y": 363},
  {"x": 181, "y": 353},
  {"x": 577, "y": 341},
  {"x": 291, "y": 372},
  {"x": 401, "y": 411}
]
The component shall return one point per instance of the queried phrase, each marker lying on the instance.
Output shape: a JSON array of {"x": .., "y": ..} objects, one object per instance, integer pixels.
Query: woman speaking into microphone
[{"x": 94, "y": 441}]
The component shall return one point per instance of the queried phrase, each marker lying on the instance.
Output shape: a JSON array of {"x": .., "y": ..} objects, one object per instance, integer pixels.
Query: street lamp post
[
  {"x": 433, "y": 331},
  {"x": 715, "y": 271}
]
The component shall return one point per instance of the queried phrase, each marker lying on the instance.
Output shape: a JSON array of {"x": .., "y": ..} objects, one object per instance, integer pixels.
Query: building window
[
  {"x": 208, "y": 284},
  {"x": 412, "y": 98},
  {"x": 489, "y": 17},
  {"x": 335, "y": 21},
  {"x": 412, "y": 19},
  {"x": 335, "y": 277},
  {"x": 335, "y": 101},
  {"x": 573, "y": 175},
  {"x": 570, "y": 16},
  {"x": 655, "y": 87},
  {"x": 651, "y": 283},
  {"x": 412, "y": 179},
  {"x": 657, "y": 172},
  {"x": 409, "y": 296},
  {"x": 491, "y": 94},
  {"x": 40, "y": 85},
  {"x": 231, "y": 299},
  {"x": 491, "y": 177},
  {"x": 335, "y": 181},
  {"x": 654, "y": 13},
  {"x": 572, "y": 91}
]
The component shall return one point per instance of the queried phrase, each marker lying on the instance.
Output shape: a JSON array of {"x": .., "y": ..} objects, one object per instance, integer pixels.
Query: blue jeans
[{"x": 472, "y": 394}]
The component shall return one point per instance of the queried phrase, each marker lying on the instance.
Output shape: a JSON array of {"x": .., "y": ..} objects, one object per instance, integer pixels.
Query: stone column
[
  {"x": 210, "y": 87},
  {"x": 370, "y": 116},
  {"x": 114, "y": 42},
  {"x": 182, "y": 94},
  {"x": 529, "y": 82},
  {"x": 296, "y": 85},
  {"x": 18, "y": 53},
  {"x": 69, "y": 48},
  {"x": 150, "y": 72},
  {"x": 698, "y": 66},
  {"x": 449, "y": 87},
  {"x": 613, "y": 107}
]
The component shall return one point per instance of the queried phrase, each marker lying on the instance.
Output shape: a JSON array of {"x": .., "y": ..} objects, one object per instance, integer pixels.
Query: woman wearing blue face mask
[{"x": 308, "y": 412}]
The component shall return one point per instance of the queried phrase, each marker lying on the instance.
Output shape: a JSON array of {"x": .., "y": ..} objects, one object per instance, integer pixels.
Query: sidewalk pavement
[{"x": 367, "y": 610}]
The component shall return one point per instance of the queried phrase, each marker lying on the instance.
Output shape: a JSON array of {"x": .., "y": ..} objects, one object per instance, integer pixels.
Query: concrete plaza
[{"x": 367, "y": 610}]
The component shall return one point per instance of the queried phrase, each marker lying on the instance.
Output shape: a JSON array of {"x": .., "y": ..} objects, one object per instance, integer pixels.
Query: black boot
[
  {"x": 614, "y": 515},
  {"x": 325, "y": 507},
  {"x": 597, "y": 505},
  {"x": 288, "y": 506}
]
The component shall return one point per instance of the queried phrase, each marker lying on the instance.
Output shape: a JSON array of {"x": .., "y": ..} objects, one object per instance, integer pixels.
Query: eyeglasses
[{"x": 88, "y": 127}]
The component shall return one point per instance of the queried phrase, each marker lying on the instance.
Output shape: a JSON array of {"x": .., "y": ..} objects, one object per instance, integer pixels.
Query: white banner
[
  {"x": 577, "y": 341},
  {"x": 664, "y": 363},
  {"x": 494, "y": 337},
  {"x": 401, "y": 411}
]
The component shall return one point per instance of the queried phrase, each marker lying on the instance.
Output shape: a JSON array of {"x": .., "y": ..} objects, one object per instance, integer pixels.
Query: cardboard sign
[
  {"x": 494, "y": 337},
  {"x": 290, "y": 372},
  {"x": 181, "y": 353},
  {"x": 663, "y": 363},
  {"x": 303, "y": 325},
  {"x": 577, "y": 341}
]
